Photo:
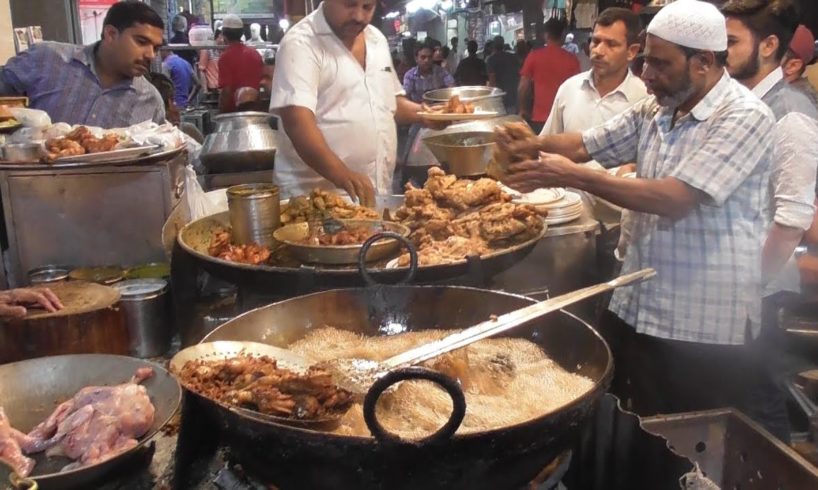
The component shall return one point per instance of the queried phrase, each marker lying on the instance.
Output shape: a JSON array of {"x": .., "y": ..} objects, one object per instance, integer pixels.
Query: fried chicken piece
[
  {"x": 78, "y": 134},
  {"x": 505, "y": 220},
  {"x": 498, "y": 166},
  {"x": 452, "y": 249},
  {"x": 219, "y": 243}
]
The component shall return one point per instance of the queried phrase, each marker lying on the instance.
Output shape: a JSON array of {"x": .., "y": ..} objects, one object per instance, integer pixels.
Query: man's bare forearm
[
  {"x": 569, "y": 145},
  {"x": 407, "y": 111}
]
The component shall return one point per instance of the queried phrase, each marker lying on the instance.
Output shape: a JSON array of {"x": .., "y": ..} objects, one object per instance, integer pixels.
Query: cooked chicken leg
[
  {"x": 10, "y": 452},
  {"x": 99, "y": 423}
]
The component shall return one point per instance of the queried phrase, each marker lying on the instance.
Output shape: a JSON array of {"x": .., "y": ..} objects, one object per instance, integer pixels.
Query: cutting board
[{"x": 91, "y": 322}]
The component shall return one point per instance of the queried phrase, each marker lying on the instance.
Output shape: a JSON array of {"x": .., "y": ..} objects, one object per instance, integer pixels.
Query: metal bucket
[
  {"x": 463, "y": 154},
  {"x": 254, "y": 213},
  {"x": 146, "y": 315}
]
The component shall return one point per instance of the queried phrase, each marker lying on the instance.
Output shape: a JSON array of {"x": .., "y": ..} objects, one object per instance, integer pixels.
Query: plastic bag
[
  {"x": 31, "y": 118},
  {"x": 198, "y": 203}
]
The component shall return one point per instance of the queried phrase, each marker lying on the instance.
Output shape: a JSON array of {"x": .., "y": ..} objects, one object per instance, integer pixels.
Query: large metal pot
[
  {"x": 487, "y": 99},
  {"x": 242, "y": 142},
  {"x": 506, "y": 457}
]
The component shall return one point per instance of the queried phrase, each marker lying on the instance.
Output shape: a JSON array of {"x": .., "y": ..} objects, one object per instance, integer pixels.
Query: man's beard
[
  {"x": 680, "y": 95},
  {"x": 749, "y": 69}
]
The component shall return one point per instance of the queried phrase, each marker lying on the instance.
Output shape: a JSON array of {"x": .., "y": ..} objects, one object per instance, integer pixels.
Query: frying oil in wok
[{"x": 506, "y": 381}]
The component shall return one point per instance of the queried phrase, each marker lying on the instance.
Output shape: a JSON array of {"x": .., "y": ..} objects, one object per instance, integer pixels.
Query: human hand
[
  {"x": 626, "y": 169},
  {"x": 358, "y": 186},
  {"x": 550, "y": 170},
  {"x": 13, "y": 302}
]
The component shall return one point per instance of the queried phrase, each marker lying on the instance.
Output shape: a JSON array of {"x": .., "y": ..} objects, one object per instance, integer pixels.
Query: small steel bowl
[
  {"x": 294, "y": 235},
  {"x": 23, "y": 152},
  {"x": 47, "y": 274}
]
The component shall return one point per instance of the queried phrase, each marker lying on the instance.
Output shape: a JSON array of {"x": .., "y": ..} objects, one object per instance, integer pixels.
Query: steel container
[
  {"x": 23, "y": 152},
  {"x": 255, "y": 213},
  {"x": 242, "y": 142},
  {"x": 463, "y": 154},
  {"x": 145, "y": 302},
  {"x": 47, "y": 274}
]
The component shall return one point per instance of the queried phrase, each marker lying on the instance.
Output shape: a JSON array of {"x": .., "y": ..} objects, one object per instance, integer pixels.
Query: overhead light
[
  {"x": 392, "y": 15},
  {"x": 413, "y": 6},
  {"x": 284, "y": 24},
  {"x": 446, "y": 4}
]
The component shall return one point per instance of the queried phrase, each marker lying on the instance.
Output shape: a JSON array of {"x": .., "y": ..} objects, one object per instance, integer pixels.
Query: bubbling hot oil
[{"x": 506, "y": 381}]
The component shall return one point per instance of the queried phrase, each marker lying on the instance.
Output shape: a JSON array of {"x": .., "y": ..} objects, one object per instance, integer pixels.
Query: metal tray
[{"x": 109, "y": 156}]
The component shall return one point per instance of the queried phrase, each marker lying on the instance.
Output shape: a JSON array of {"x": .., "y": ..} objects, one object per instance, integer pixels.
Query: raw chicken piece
[
  {"x": 99, "y": 423},
  {"x": 10, "y": 453}
]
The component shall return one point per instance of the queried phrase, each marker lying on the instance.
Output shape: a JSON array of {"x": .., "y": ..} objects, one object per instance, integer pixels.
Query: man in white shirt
[
  {"x": 589, "y": 99},
  {"x": 337, "y": 97},
  {"x": 758, "y": 35}
]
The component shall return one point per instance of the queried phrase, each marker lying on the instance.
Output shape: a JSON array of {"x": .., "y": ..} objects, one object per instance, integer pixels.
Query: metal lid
[
  {"x": 252, "y": 191},
  {"x": 151, "y": 270},
  {"x": 102, "y": 275},
  {"x": 46, "y": 274},
  {"x": 140, "y": 288}
]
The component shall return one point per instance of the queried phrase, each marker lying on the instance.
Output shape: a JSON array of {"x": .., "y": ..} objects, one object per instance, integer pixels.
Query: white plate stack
[{"x": 562, "y": 206}]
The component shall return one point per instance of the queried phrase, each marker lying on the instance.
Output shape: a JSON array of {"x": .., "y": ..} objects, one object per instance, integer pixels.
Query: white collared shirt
[
  {"x": 354, "y": 106},
  {"x": 578, "y": 105}
]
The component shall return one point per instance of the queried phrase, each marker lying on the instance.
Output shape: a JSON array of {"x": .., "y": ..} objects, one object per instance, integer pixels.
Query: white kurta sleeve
[{"x": 296, "y": 78}]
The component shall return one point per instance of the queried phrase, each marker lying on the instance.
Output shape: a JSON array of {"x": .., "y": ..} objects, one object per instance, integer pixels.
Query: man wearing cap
[
  {"x": 758, "y": 35},
  {"x": 338, "y": 97},
  {"x": 239, "y": 65},
  {"x": 702, "y": 146},
  {"x": 795, "y": 62}
]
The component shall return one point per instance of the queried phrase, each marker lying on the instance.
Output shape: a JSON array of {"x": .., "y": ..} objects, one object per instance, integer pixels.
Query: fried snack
[
  {"x": 451, "y": 219},
  {"x": 354, "y": 235},
  {"x": 257, "y": 383},
  {"x": 453, "y": 106},
  {"x": 516, "y": 131},
  {"x": 80, "y": 141},
  {"x": 222, "y": 248},
  {"x": 303, "y": 209},
  {"x": 5, "y": 113}
]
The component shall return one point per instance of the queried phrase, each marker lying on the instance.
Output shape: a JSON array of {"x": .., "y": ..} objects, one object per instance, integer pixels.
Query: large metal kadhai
[
  {"x": 30, "y": 390},
  {"x": 505, "y": 457},
  {"x": 291, "y": 273}
]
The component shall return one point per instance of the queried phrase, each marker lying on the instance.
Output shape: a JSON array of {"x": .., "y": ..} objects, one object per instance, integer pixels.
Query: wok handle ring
[
  {"x": 413, "y": 257},
  {"x": 448, "y": 429},
  {"x": 21, "y": 483}
]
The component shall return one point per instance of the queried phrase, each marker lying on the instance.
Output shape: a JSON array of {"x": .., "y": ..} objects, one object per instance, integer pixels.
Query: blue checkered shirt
[
  {"x": 61, "y": 80},
  {"x": 709, "y": 262}
]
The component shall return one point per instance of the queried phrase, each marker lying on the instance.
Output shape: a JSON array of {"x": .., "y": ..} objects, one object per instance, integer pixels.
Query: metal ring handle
[
  {"x": 20, "y": 483},
  {"x": 451, "y": 386},
  {"x": 413, "y": 257}
]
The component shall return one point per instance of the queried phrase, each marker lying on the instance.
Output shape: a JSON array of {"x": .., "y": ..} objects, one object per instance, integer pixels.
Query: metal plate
[
  {"x": 473, "y": 116},
  {"x": 109, "y": 156},
  {"x": 30, "y": 390}
]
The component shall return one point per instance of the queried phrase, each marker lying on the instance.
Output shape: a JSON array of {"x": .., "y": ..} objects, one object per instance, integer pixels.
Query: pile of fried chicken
[
  {"x": 80, "y": 141},
  {"x": 302, "y": 209},
  {"x": 221, "y": 247},
  {"x": 453, "y": 218},
  {"x": 98, "y": 423},
  {"x": 453, "y": 106},
  {"x": 514, "y": 131},
  {"x": 257, "y": 383},
  {"x": 350, "y": 235}
]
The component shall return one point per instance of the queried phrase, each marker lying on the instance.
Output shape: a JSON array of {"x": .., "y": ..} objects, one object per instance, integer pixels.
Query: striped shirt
[
  {"x": 61, "y": 80},
  {"x": 709, "y": 262}
]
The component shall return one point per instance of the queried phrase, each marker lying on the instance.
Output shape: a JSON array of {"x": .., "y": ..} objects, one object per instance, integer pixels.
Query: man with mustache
[
  {"x": 102, "y": 84},
  {"x": 759, "y": 33},
  {"x": 337, "y": 96},
  {"x": 702, "y": 146}
]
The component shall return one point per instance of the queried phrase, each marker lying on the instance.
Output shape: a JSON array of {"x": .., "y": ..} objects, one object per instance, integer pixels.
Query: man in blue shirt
[
  {"x": 181, "y": 73},
  {"x": 102, "y": 84}
]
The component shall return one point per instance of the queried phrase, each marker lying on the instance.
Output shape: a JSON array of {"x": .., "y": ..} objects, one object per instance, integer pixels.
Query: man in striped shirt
[
  {"x": 702, "y": 146},
  {"x": 102, "y": 84}
]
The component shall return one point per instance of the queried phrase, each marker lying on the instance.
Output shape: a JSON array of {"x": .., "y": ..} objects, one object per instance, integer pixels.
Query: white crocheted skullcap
[{"x": 692, "y": 24}]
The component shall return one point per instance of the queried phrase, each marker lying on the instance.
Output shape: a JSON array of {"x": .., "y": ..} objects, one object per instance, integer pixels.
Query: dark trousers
[
  {"x": 659, "y": 376},
  {"x": 768, "y": 395}
]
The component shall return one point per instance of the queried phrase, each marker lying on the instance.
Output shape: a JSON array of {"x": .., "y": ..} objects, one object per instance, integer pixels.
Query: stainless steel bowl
[
  {"x": 488, "y": 99},
  {"x": 463, "y": 154},
  {"x": 47, "y": 274},
  {"x": 242, "y": 142},
  {"x": 294, "y": 235},
  {"x": 23, "y": 152}
]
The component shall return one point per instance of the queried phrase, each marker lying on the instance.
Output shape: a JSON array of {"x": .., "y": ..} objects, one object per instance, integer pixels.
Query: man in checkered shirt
[{"x": 703, "y": 145}]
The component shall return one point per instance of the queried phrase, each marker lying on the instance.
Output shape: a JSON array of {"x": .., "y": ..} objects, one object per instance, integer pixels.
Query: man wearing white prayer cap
[{"x": 702, "y": 145}]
